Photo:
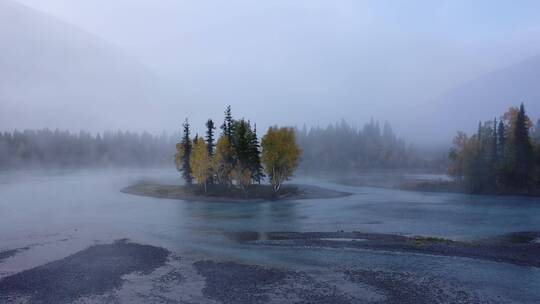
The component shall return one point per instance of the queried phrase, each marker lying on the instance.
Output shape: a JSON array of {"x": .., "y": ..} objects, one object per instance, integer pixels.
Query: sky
[{"x": 308, "y": 61}]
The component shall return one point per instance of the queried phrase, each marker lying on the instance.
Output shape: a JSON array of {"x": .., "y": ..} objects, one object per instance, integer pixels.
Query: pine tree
[
  {"x": 241, "y": 143},
  {"x": 254, "y": 152},
  {"x": 228, "y": 123},
  {"x": 521, "y": 158},
  {"x": 210, "y": 136},
  {"x": 501, "y": 140},
  {"x": 186, "y": 147}
]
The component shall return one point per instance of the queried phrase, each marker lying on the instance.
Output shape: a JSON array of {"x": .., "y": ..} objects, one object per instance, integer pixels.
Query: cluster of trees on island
[
  {"x": 502, "y": 157},
  {"x": 237, "y": 159}
]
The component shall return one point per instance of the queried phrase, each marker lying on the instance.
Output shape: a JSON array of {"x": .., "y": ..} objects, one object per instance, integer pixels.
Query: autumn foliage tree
[
  {"x": 221, "y": 162},
  {"x": 200, "y": 163},
  {"x": 280, "y": 155}
]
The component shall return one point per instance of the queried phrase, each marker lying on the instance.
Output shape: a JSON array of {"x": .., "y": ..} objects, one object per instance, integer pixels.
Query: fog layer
[{"x": 282, "y": 62}]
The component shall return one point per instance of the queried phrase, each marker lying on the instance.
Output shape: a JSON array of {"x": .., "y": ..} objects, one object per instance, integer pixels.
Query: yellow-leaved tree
[
  {"x": 222, "y": 162},
  {"x": 280, "y": 155},
  {"x": 200, "y": 163}
]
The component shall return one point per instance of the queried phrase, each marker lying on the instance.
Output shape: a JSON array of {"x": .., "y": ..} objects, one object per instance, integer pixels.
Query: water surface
[{"x": 58, "y": 213}]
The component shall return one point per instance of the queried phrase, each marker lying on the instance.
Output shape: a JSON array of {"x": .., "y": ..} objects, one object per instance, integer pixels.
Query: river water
[{"x": 58, "y": 213}]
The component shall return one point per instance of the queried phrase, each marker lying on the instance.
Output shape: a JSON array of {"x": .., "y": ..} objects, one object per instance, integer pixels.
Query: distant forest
[
  {"x": 48, "y": 149},
  {"x": 335, "y": 148},
  {"x": 343, "y": 148}
]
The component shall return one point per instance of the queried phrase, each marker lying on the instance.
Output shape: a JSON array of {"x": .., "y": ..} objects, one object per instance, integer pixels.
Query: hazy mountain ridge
[
  {"x": 493, "y": 93},
  {"x": 47, "y": 65}
]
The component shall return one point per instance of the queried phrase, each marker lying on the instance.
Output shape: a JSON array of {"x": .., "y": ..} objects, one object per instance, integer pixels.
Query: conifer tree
[
  {"x": 501, "y": 140},
  {"x": 228, "y": 123},
  {"x": 521, "y": 158},
  {"x": 254, "y": 152},
  {"x": 186, "y": 148},
  {"x": 210, "y": 136},
  {"x": 241, "y": 143}
]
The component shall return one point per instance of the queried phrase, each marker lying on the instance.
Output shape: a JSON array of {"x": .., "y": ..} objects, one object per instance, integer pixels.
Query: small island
[
  {"x": 254, "y": 193},
  {"x": 235, "y": 167}
]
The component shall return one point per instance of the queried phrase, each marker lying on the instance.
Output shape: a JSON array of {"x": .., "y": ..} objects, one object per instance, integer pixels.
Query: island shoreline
[{"x": 289, "y": 192}]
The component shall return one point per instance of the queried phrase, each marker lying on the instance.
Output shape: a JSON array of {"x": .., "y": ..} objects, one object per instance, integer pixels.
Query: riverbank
[
  {"x": 521, "y": 248},
  {"x": 422, "y": 183},
  {"x": 253, "y": 193},
  {"x": 454, "y": 187}
]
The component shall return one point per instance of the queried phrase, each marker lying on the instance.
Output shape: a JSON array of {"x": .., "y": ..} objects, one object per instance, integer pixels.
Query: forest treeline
[
  {"x": 237, "y": 159},
  {"x": 336, "y": 148},
  {"x": 54, "y": 149},
  {"x": 343, "y": 148},
  {"x": 502, "y": 157}
]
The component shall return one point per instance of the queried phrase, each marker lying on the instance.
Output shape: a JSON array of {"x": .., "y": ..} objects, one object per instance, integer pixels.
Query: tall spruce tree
[
  {"x": 521, "y": 157},
  {"x": 228, "y": 123},
  {"x": 211, "y": 147},
  {"x": 241, "y": 143},
  {"x": 501, "y": 140},
  {"x": 210, "y": 137},
  {"x": 254, "y": 152},
  {"x": 186, "y": 146}
]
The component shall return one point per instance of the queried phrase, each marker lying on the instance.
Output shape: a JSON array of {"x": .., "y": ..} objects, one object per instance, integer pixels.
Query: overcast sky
[{"x": 309, "y": 61}]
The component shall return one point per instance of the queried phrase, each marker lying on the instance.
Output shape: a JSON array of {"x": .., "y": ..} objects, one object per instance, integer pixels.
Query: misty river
[{"x": 55, "y": 214}]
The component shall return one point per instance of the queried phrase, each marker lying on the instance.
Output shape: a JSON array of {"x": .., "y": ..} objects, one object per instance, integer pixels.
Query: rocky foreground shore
[{"x": 126, "y": 272}]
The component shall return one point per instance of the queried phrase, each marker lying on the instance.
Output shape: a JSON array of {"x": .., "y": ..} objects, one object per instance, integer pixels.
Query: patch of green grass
[{"x": 420, "y": 240}]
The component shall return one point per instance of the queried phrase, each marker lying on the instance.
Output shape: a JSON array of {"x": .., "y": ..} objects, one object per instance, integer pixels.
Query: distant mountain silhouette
[
  {"x": 53, "y": 74},
  {"x": 481, "y": 99}
]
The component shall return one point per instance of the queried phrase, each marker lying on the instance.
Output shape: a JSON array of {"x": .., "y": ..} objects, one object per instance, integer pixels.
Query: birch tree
[
  {"x": 280, "y": 155},
  {"x": 200, "y": 163}
]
